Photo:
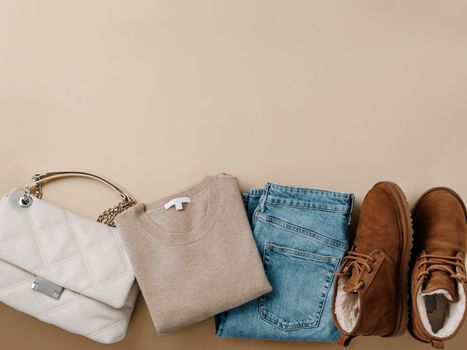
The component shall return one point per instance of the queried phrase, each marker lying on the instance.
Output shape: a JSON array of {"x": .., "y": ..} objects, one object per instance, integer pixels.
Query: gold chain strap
[
  {"x": 106, "y": 218},
  {"x": 37, "y": 191}
]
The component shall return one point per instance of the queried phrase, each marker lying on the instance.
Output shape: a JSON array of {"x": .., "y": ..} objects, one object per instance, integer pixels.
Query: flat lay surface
[{"x": 157, "y": 94}]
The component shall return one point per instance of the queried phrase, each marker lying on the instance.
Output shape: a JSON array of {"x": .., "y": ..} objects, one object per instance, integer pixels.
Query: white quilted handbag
[{"x": 62, "y": 268}]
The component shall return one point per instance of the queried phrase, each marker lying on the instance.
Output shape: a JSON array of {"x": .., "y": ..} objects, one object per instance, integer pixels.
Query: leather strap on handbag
[{"x": 107, "y": 217}]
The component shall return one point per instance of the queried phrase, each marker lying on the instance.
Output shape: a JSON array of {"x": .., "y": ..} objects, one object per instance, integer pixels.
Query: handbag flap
[{"x": 66, "y": 249}]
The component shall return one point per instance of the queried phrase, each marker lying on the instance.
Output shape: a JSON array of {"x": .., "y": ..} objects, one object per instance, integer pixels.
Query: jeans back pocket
[{"x": 301, "y": 281}]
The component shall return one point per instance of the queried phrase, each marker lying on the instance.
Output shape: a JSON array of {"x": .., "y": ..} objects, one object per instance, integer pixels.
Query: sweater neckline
[{"x": 154, "y": 231}]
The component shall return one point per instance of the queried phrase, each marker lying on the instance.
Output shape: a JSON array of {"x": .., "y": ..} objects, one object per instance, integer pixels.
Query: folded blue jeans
[{"x": 301, "y": 235}]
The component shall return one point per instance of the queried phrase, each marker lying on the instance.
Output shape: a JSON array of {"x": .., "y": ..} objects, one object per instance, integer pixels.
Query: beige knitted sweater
[{"x": 194, "y": 263}]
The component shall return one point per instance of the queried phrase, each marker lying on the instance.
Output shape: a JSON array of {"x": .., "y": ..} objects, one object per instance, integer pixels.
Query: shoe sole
[{"x": 406, "y": 238}]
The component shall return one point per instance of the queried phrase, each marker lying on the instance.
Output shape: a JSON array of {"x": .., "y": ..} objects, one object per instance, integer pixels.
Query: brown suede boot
[
  {"x": 438, "y": 283},
  {"x": 371, "y": 289}
]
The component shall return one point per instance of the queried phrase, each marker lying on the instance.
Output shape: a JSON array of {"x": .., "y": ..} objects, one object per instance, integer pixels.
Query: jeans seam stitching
[
  {"x": 301, "y": 253},
  {"x": 303, "y": 231},
  {"x": 308, "y": 206}
]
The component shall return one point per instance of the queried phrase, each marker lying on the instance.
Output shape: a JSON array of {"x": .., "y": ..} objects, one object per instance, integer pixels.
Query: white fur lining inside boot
[
  {"x": 440, "y": 316},
  {"x": 347, "y": 306}
]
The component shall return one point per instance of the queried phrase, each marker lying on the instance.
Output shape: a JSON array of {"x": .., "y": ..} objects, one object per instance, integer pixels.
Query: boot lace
[
  {"x": 453, "y": 265},
  {"x": 360, "y": 262}
]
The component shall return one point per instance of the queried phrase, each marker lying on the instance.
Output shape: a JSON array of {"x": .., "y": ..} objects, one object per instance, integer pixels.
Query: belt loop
[
  {"x": 246, "y": 200},
  {"x": 352, "y": 202},
  {"x": 264, "y": 198},
  {"x": 246, "y": 196}
]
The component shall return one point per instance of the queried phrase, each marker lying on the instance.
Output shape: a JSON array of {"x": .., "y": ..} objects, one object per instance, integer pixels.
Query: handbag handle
[{"x": 108, "y": 216}]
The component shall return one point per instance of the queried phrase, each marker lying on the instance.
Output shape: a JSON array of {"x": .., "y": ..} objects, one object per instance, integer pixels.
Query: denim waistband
[{"x": 325, "y": 200}]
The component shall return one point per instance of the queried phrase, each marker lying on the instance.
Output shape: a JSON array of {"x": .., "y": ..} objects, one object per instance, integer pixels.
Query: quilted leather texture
[{"x": 85, "y": 257}]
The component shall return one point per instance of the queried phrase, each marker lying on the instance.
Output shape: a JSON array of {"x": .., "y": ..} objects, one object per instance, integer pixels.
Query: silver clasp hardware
[
  {"x": 46, "y": 287},
  {"x": 26, "y": 200}
]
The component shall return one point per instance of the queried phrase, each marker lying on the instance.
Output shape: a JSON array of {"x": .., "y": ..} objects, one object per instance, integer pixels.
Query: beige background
[{"x": 156, "y": 94}]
